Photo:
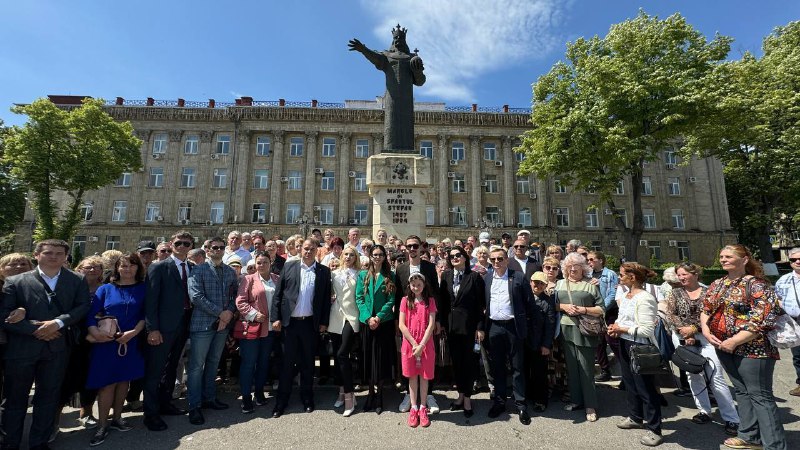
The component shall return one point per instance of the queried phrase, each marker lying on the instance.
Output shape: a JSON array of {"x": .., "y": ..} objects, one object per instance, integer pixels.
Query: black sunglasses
[
  {"x": 217, "y": 247},
  {"x": 497, "y": 259},
  {"x": 455, "y": 256},
  {"x": 412, "y": 246},
  {"x": 181, "y": 243},
  {"x": 794, "y": 260},
  {"x": 520, "y": 246}
]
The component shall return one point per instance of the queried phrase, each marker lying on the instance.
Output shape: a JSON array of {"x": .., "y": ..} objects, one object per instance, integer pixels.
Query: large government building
[{"x": 278, "y": 166}]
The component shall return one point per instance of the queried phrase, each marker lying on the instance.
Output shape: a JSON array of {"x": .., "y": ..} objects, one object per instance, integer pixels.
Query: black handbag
[
  {"x": 646, "y": 359},
  {"x": 688, "y": 360}
]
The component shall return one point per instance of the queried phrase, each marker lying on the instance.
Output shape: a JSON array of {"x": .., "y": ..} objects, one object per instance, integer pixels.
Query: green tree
[
  {"x": 755, "y": 132},
  {"x": 616, "y": 103},
  {"x": 72, "y": 150},
  {"x": 12, "y": 208}
]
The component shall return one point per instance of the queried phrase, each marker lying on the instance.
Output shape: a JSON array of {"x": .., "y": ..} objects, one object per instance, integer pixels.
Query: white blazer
[{"x": 344, "y": 307}]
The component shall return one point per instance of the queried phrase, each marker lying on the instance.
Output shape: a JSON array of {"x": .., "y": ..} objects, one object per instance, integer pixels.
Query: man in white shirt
[
  {"x": 235, "y": 248},
  {"x": 354, "y": 239}
]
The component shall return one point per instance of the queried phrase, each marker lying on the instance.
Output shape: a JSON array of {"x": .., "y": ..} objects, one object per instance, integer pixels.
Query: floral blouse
[
  {"x": 746, "y": 303},
  {"x": 682, "y": 311}
]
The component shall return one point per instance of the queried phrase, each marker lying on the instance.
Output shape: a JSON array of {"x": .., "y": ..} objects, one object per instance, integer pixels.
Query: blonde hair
[
  {"x": 110, "y": 258},
  {"x": 12, "y": 257}
]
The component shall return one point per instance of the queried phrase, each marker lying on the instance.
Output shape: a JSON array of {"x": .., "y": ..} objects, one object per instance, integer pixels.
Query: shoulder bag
[
  {"x": 646, "y": 359},
  {"x": 786, "y": 333},
  {"x": 589, "y": 325}
]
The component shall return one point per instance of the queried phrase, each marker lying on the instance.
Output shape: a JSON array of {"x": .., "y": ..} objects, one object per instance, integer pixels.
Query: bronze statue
[{"x": 403, "y": 70}]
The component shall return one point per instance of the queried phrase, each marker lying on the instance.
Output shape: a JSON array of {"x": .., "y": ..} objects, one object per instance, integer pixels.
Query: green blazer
[{"x": 374, "y": 302}]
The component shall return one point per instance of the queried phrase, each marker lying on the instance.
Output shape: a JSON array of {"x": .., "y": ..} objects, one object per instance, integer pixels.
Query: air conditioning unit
[
  {"x": 484, "y": 183},
  {"x": 215, "y": 156},
  {"x": 673, "y": 243},
  {"x": 500, "y": 224},
  {"x": 643, "y": 242},
  {"x": 353, "y": 222},
  {"x": 209, "y": 223},
  {"x": 93, "y": 239},
  {"x": 520, "y": 225},
  {"x": 161, "y": 239},
  {"x": 498, "y": 163},
  {"x": 285, "y": 179},
  {"x": 555, "y": 210},
  {"x": 612, "y": 242},
  {"x": 451, "y": 174},
  {"x": 185, "y": 222},
  {"x": 351, "y": 174},
  {"x": 671, "y": 166},
  {"x": 160, "y": 218},
  {"x": 453, "y": 162},
  {"x": 317, "y": 208},
  {"x": 692, "y": 180},
  {"x": 319, "y": 170},
  {"x": 452, "y": 209},
  {"x": 608, "y": 212},
  {"x": 157, "y": 156},
  {"x": 532, "y": 196}
]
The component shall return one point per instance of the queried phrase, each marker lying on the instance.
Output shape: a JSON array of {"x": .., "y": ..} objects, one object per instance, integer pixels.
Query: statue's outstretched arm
[
  {"x": 372, "y": 56},
  {"x": 416, "y": 71}
]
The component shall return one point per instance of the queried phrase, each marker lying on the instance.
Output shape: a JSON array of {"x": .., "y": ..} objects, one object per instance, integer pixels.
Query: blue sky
[{"x": 486, "y": 52}]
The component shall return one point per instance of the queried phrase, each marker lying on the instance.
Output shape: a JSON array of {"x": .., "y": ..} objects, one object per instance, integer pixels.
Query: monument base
[{"x": 398, "y": 185}]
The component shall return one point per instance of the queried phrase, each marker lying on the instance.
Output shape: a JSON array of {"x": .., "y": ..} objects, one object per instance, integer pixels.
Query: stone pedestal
[{"x": 398, "y": 185}]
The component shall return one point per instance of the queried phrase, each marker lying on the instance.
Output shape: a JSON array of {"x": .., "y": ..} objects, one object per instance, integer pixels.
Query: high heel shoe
[
  {"x": 339, "y": 401},
  {"x": 349, "y": 411}
]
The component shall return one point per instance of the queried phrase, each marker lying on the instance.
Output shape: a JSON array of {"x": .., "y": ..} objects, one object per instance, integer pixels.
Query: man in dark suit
[
  {"x": 38, "y": 348},
  {"x": 301, "y": 308},
  {"x": 168, "y": 310},
  {"x": 509, "y": 302},
  {"x": 521, "y": 262}
]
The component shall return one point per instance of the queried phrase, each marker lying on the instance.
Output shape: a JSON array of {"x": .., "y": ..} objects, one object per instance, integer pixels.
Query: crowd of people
[{"x": 130, "y": 330}]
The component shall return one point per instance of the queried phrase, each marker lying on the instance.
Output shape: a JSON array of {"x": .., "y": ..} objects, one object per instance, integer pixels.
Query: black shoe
[
  {"x": 215, "y": 404},
  {"x": 172, "y": 410},
  {"x": 456, "y": 406},
  {"x": 369, "y": 405},
  {"x": 731, "y": 428},
  {"x": 682, "y": 392},
  {"x": 196, "y": 417},
  {"x": 99, "y": 437},
  {"x": 468, "y": 413},
  {"x": 120, "y": 425},
  {"x": 261, "y": 400},
  {"x": 524, "y": 417},
  {"x": 701, "y": 418},
  {"x": 539, "y": 407},
  {"x": 247, "y": 405},
  {"x": 496, "y": 410},
  {"x": 621, "y": 385},
  {"x": 308, "y": 407},
  {"x": 603, "y": 376},
  {"x": 277, "y": 412},
  {"x": 155, "y": 423}
]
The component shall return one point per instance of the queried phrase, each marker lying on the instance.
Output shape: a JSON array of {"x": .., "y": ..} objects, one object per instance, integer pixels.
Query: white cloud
[
  {"x": 461, "y": 40},
  {"x": 235, "y": 94}
]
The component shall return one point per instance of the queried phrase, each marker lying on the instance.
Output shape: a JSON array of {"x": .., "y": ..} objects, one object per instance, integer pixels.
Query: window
[
  {"x": 124, "y": 180},
  {"x": 261, "y": 179},
  {"x": 360, "y": 182},
  {"x": 160, "y": 144},
  {"x": 524, "y": 217},
  {"x": 592, "y": 220},
  {"x": 562, "y": 217},
  {"x": 292, "y": 213},
  {"x": 429, "y": 215},
  {"x": 458, "y": 151},
  {"x": 188, "y": 177},
  {"x": 683, "y": 251},
  {"x": 647, "y": 186},
  {"x": 79, "y": 242},
  {"x": 670, "y": 157},
  {"x": 649, "y": 218},
  {"x": 490, "y": 151},
  {"x": 192, "y": 144},
  {"x": 459, "y": 215},
  {"x": 491, "y": 184},
  {"x": 156, "y": 177},
  {"x": 674, "y": 186},
  {"x": 329, "y": 147},
  {"x": 523, "y": 185},
  {"x": 87, "y": 211},
  {"x": 655, "y": 249},
  {"x": 217, "y": 212},
  {"x": 185, "y": 211},
  {"x": 559, "y": 188},
  {"x": 328, "y": 181},
  {"x": 493, "y": 214},
  {"x": 360, "y": 214},
  {"x": 362, "y": 148},
  {"x": 220, "y": 178},
  {"x": 426, "y": 149},
  {"x": 620, "y": 190},
  {"x": 295, "y": 181},
  {"x": 120, "y": 211},
  {"x": 112, "y": 243},
  {"x": 152, "y": 211},
  {"x": 296, "y": 147},
  {"x": 259, "y": 213},
  {"x": 326, "y": 214},
  {"x": 223, "y": 144},
  {"x": 678, "y": 222},
  {"x": 262, "y": 146},
  {"x": 459, "y": 185},
  {"x": 623, "y": 214},
  {"x": 519, "y": 156}
]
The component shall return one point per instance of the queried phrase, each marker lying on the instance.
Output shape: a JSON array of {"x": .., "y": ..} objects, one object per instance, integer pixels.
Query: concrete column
[
  {"x": 201, "y": 207},
  {"x": 377, "y": 143},
  {"x": 240, "y": 176},
  {"x": 276, "y": 188},
  {"x": 343, "y": 181},
  {"x": 310, "y": 186},
  {"x": 173, "y": 164},
  {"x": 509, "y": 184},
  {"x": 441, "y": 158},
  {"x": 136, "y": 199},
  {"x": 474, "y": 179}
]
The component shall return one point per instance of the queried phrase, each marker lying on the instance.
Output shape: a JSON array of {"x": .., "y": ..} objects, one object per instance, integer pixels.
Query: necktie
[{"x": 187, "y": 304}]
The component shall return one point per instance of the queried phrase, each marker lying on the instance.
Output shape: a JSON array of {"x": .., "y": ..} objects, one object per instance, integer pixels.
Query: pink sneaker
[
  {"x": 413, "y": 418},
  {"x": 423, "y": 417}
]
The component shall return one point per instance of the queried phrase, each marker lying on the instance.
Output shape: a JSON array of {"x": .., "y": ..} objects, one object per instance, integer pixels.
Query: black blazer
[
  {"x": 288, "y": 290},
  {"x": 542, "y": 324},
  {"x": 521, "y": 300},
  {"x": 277, "y": 264},
  {"x": 467, "y": 307},
  {"x": 428, "y": 269},
  {"x": 532, "y": 266},
  {"x": 27, "y": 291},
  {"x": 164, "y": 301}
]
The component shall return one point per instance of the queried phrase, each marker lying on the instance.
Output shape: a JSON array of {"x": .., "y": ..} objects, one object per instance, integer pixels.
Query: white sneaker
[
  {"x": 405, "y": 405},
  {"x": 433, "y": 407}
]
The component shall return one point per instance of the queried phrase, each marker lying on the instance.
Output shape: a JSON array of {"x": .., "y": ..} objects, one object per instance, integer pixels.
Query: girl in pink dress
[{"x": 417, "y": 317}]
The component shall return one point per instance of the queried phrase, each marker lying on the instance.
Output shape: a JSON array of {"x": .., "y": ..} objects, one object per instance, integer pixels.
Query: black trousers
[
  {"x": 300, "y": 347},
  {"x": 644, "y": 400},
  {"x": 505, "y": 346},
  {"x": 343, "y": 346},
  {"x": 605, "y": 340},
  {"x": 465, "y": 361},
  {"x": 161, "y": 366},
  {"x": 47, "y": 371},
  {"x": 536, "y": 375}
]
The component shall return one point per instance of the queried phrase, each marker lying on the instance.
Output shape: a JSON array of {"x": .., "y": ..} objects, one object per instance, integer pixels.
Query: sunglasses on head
[{"x": 181, "y": 243}]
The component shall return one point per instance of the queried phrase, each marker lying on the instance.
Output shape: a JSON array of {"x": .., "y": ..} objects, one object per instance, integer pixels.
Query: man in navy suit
[
  {"x": 301, "y": 308},
  {"x": 168, "y": 310},
  {"x": 508, "y": 305}
]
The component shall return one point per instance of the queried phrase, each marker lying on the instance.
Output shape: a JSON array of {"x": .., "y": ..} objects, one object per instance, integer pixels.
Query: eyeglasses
[
  {"x": 217, "y": 247},
  {"x": 378, "y": 255},
  {"x": 181, "y": 243},
  {"x": 550, "y": 267},
  {"x": 412, "y": 246},
  {"x": 519, "y": 246},
  {"x": 455, "y": 256},
  {"x": 554, "y": 253},
  {"x": 165, "y": 250},
  {"x": 497, "y": 259},
  {"x": 794, "y": 260},
  {"x": 591, "y": 259},
  {"x": 92, "y": 268},
  {"x": 585, "y": 255}
]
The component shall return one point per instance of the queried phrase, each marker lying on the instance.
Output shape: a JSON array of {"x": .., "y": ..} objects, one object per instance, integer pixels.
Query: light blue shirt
[{"x": 787, "y": 287}]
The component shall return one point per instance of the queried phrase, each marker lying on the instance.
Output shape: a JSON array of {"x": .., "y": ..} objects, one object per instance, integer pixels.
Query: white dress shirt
[
  {"x": 500, "y": 298},
  {"x": 305, "y": 298},
  {"x": 51, "y": 283}
]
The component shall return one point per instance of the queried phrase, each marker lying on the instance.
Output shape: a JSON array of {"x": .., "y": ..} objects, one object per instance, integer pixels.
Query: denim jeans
[
  {"x": 204, "y": 355},
  {"x": 255, "y": 355}
]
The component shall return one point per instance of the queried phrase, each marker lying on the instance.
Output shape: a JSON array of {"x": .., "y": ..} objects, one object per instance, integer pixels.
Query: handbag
[
  {"x": 688, "y": 361},
  {"x": 646, "y": 359},
  {"x": 243, "y": 329},
  {"x": 786, "y": 333},
  {"x": 109, "y": 325},
  {"x": 589, "y": 325}
]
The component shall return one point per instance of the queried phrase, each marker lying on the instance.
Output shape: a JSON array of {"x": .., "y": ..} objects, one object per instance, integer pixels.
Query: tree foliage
[
  {"x": 12, "y": 208},
  {"x": 74, "y": 151},
  {"x": 616, "y": 103}
]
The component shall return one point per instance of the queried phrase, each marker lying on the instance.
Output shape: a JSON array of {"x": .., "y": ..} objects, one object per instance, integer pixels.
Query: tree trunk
[
  {"x": 764, "y": 245},
  {"x": 66, "y": 230},
  {"x": 637, "y": 217}
]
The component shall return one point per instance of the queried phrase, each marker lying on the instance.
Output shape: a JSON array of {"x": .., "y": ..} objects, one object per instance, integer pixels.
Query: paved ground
[{"x": 325, "y": 428}]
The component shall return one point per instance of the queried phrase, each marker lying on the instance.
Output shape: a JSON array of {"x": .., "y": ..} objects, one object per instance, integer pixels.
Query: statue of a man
[{"x": 403, "y": 70}]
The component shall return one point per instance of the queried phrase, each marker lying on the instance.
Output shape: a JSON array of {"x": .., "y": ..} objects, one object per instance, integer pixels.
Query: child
[{"x": 417, "y": 317}]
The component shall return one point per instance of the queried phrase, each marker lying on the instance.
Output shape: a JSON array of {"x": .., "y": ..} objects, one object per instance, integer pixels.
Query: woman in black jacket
[{"x": 463, "y": 318}]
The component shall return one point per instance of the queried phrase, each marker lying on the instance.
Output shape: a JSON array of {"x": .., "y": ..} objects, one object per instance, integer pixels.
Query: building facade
[{"x": 274, "y": 166}]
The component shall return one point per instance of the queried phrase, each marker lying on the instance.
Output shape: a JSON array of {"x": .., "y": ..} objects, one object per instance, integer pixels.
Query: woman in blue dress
[{"x": 116, "y": 358}]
